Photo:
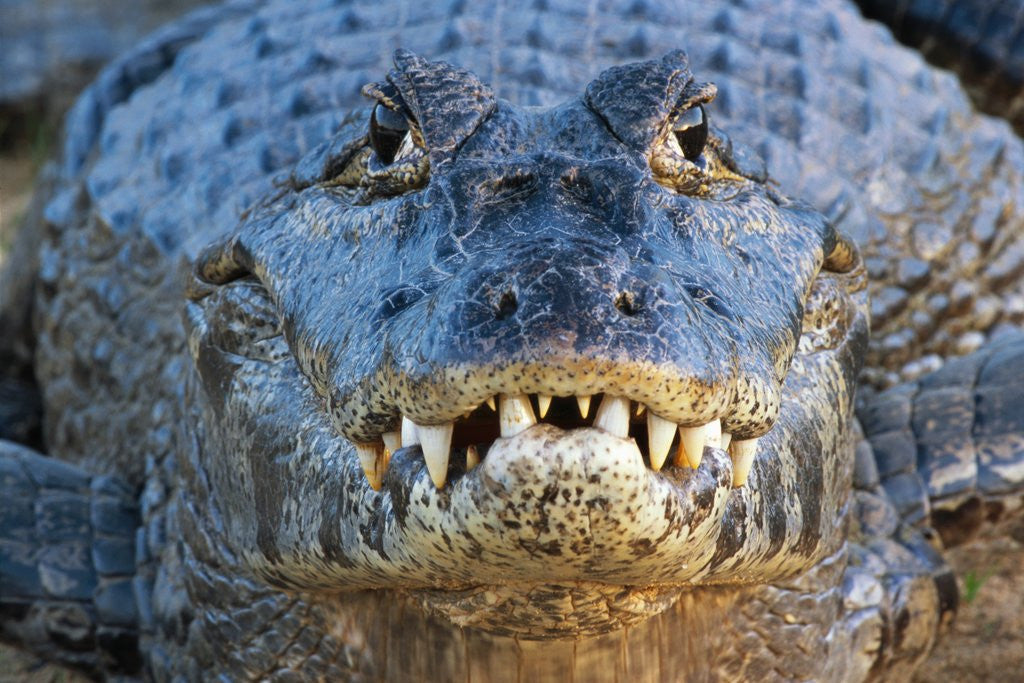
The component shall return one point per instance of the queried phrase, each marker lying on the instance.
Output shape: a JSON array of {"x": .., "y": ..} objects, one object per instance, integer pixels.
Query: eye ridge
[
  {"x": 388, "y": 129},
  {"x": 691, "y": 131}
]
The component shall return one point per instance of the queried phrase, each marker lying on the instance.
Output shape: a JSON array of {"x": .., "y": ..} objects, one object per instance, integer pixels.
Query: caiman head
[{"x": 539, "y": 369}]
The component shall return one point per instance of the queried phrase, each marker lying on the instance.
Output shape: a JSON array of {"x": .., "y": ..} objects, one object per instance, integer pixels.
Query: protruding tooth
[
  {"x": 659, "y": 439},
  {"x": 490, "y": 403},
  {"x": 693, "y": 439},
  {"x": 392, "y": 441},
  {"x": 613, "y": 416},
  {"x": 742, "y": 453},
  {"x": 543, "y": 403},
  {"x": 584, "y": 402},
  {"x": 515, "y": 414},
  {"x": 726, "y": 440},
  {"x": 410, "y": 437},
  {"x": 373, "y": 461},
  {"x": 472, "y": 457},
  {"x": 691, "y": 446},
  {"x": 640, "y": 407},
  {"x": 713, "y": 434},
  {"x": 436, "y": 442}
]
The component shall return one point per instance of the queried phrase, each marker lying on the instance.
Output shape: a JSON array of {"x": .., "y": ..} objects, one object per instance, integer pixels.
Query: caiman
[{"x": 487, "y": 341}]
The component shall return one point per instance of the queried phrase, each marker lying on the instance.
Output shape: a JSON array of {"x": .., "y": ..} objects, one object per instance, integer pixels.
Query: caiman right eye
[{"x": 388, "y": 130}]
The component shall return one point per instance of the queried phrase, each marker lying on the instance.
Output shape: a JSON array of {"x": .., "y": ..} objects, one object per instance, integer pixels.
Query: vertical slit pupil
[
  {"x": 387, "y": 130},
  {"x": 691, "y": 131}
]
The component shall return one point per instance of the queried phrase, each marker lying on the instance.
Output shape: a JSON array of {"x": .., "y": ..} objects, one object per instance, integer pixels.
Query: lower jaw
[
  {"x": 555, "y": 507},
  {"x": 577, "y": 510},
  {"x": 574, "y": 509}
]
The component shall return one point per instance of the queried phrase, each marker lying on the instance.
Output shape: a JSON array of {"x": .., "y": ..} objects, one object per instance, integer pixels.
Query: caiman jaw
[{"x": 470, "y": 436}]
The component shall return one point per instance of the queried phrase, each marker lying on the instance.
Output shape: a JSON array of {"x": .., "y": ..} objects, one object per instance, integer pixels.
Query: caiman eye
[
  {"x": 388, "y": 130},
  {"x": 691, "y": 131}
]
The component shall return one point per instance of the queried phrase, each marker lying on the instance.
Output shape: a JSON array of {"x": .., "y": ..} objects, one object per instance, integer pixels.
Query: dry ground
[
  {"x": 17, "y": 170},
  {"x": 987, "y": 639},
  {"x": 986, "y": 642}
]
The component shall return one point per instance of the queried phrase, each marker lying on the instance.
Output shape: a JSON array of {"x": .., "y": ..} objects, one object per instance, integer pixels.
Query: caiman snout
[{"x": 565, "y": 313}]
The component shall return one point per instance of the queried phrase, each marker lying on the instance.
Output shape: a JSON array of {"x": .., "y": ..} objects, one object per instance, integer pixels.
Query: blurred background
[{"x": 49, "y": 50}]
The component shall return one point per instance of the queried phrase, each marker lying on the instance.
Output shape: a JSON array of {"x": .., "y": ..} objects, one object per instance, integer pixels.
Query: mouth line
[{"x": 460, "y": 445}]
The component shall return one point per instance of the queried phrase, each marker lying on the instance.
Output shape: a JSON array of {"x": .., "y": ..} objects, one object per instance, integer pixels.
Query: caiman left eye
[
  {"x": 388, "y": 130},
  {"x": 691, "y": 131}
]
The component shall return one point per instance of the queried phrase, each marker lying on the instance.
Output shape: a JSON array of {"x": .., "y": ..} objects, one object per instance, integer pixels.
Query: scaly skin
[{"x": 569, "y": 250}]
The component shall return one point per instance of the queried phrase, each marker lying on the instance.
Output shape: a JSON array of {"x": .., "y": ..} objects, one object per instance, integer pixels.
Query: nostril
[
  {"x": 627, "y": 304},
  {"x": 507, "y": 305}
]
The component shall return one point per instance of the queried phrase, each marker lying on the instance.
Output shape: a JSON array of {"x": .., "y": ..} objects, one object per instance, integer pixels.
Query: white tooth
[
  {"x": 659, "y": 439},
  {"x": 693, "y": 439},
  {"x": 742, "y": 453},
  {"x": 640, "y": 407},
  {"x": 410, "y": 437},
  {"x": 584, "y": 402},
  {"x": 691, "y": 446},
  {"x": 436, "y": 442},
  {"x": 713, "y": 434},
  {"x": 392, "y": 441},
  {"x": 472, "y": 457},
  {"x": 543, "y": 403},
  {"x": 613, "y": 416},
  {"x": 373, "y": 462},
  {"x": 726, "y": 440},
  {"x": 490, "y": 403},
  {"x": 515, "y": 414}
]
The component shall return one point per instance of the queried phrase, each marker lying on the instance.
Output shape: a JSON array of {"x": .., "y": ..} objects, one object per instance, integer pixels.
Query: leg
[{"x": 67, "y": 562}]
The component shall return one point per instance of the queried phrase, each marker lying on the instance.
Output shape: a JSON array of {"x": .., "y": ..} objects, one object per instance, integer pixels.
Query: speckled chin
[
  {"x": 580, "y": 482},
  {"x": 566, "y": 505}
]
